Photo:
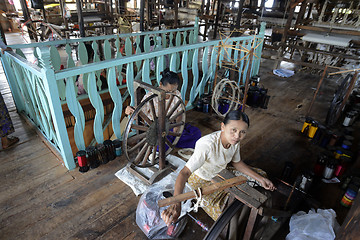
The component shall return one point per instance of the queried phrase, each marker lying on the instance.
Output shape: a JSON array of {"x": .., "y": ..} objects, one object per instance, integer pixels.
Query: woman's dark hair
[
  {"x": 169, "y": 77},
  {"x": 236, "y": 115}
]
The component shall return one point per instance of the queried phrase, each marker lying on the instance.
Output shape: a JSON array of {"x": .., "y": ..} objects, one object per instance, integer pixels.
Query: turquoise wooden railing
[{"x": 37, "y": 88}]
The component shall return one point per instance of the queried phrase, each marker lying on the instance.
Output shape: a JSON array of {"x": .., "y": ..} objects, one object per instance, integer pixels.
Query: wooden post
[
  {"x": 316, "y": 92},
  {"x": 161, "y": 130},
  {"x": 238, "y": 19},
  {"x": 26, "y": 15},
  {"x": 247, "y": 79},
  {"x": 142, "y": 15},
  {"x": 148, "y": 12},
  {"x": 349, "y": 90},
  {"x": 286, "y": 29},
  {"x": 80, "y": 18},
  {"x": 176, "y": 6},
  {"x": 301, "y": 13},
  {"x": 63, "y": 11},
  {"x": 218, "y": 12}
]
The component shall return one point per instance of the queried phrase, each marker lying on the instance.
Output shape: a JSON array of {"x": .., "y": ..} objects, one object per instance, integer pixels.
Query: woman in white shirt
[{"x": 211, "y": 155}]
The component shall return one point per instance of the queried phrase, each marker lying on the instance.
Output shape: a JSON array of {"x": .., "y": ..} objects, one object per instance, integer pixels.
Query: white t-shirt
[{"x": 210, "y": 157}]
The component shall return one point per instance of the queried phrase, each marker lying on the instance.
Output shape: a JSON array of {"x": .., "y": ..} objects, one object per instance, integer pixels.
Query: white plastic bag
[
  {"x": 148, "y": 214},
  {"x": 313, "y": 225}
]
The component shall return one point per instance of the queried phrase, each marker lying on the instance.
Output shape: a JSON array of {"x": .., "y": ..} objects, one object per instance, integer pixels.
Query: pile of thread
[{"x": 102, "y": 153}]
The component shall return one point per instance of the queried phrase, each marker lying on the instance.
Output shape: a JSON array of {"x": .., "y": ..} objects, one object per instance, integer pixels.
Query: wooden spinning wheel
[{"x": 146, "y": 138}]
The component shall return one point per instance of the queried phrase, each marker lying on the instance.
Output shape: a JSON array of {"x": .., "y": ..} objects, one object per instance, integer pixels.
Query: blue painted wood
[
  {"x": 117, "y": 99},
  {"x": 25, "y": 98},
  {"x": 146, "y": 72},
  {"x": 195, "y": 72},
  {"x": 164, "y": 40},
  {"x": 138, "y": 51},
  {"x": 173, "y": 62},
  {"x": 196, "y": 30},
  {"x": 96, "y": 102},
  {"x": 115, "y": 62},
  {"x": 107, "y": 50},
  {"x": 247, "y": 59},
  {"x": 18, "y": 51},
  {"x": 205, "y": 70},
  {"x": 191, "y": 52},
  {"x": 84, "y": 59},
  {"x": 130, "y": 82},
  {"x": 159, "y": 68},
  {"x": 147, "y": 43},
  {"x": 118, "y": 56},
  {"x": 128, "y": 47},
  {"x": 178, "y": 43},
  {"x": 96, "y": 38},
  {"x": 171, "y": 39},
  {"x": 78, "y": 113},
  {"x": 184, "y": 74},
  {"x": 12, "y": 81},
  {"x": 51, "y": 91},
  {"x": 95, "y": 47},
  {"x": 56, "y": 63},
  {"x": 73, "y": 104}
]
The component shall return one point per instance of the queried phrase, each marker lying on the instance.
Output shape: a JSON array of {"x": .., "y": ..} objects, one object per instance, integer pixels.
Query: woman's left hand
[{"x": 267, "y": 184}]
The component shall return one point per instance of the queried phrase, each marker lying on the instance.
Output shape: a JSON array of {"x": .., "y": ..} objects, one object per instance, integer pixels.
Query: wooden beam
[
  {"x": 316, "y": 92},
  {"x": 329, "y": 30},
  {"x": 204, "y": 191},
  {"x": 218, "y": 10},
  {"x": 80, "y": 18}
]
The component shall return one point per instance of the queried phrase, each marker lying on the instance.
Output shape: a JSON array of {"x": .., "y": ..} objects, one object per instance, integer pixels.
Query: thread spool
[
  {"x": 329, "y": 170},
  {"x": 206, "y": 106},
  {"x": 347, "y": 119},
  {"x": 110, "y": 149},
  {"x": 102, "y": 153},
  {"x": 92, "y": 157},
  {"x": 337, "y": 153},
  {"x": 81, "y": 157},
  {"x": 312, "y": 130},
  {"x": 117, "y": 146},
  {"x": 346, "y": 145},
  {"x": 320, "y": 165},
  {"x": 348, "y": 198},
  {"x": 306, "y": 125}
]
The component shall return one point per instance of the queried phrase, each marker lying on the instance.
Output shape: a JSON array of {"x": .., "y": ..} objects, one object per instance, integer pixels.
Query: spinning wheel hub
[{"x": 152, "y": 135}]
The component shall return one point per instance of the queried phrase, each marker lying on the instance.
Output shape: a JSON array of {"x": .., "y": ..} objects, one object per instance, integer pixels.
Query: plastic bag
[
  {"x": 148, "y": 214},
  {"x": 313, "y": 225}
]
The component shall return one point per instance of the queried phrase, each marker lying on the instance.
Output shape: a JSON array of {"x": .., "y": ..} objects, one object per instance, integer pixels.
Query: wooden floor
[{"x": 40, "y": 199}]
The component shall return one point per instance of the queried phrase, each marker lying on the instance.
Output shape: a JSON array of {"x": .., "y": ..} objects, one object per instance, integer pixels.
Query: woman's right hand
[
  {"x": 129, "y": 110},
  {"x": 171, "y": 214}
]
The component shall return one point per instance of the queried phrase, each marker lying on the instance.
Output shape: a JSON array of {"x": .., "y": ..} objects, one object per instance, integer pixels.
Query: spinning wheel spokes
[
  {"x": 141, "y": 148},
  {"x": 173, "y": 109},
  {"x": 173, "y": 118},
  {"x": 168, "y": 104},
  {"x": 141, "y": 153}
]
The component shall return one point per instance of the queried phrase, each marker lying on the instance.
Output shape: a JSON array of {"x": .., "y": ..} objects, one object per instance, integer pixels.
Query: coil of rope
[{"x": 228, "y": 90}]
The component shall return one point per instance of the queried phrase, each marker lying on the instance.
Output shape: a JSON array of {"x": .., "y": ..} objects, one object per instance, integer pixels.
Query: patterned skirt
[
  {"x": 6, "y": 126},
  {"x": 215, "y": 202}
]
